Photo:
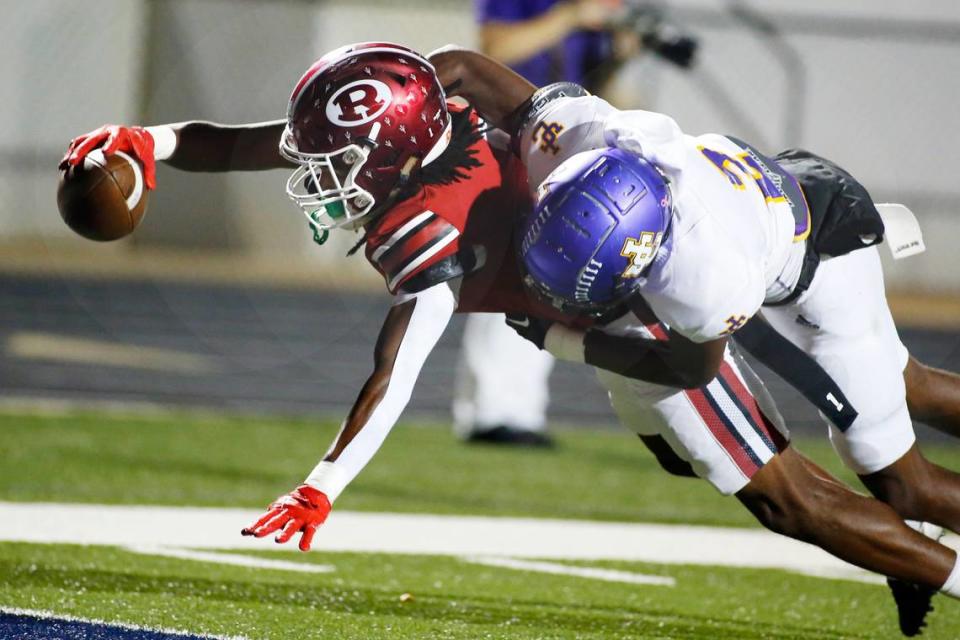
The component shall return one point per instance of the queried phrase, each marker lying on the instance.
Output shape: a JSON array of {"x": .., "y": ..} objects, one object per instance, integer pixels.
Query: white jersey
[{"x": 736, "y": 237}]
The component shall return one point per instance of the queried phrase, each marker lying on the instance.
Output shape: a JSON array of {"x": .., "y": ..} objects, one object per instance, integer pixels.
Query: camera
[{"x": 657, "y": 34}]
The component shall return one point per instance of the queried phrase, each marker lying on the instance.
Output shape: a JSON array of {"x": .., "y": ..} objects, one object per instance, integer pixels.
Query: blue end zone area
[{"x": 28, "y": 627}]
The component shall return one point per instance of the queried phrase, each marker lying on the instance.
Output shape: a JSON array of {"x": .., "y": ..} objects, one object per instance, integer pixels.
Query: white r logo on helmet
[{"x": 358, "y": 102}]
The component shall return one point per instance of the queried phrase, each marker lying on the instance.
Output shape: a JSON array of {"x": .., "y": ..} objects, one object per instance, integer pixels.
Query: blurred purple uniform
[{"x": 569, "y": 61}]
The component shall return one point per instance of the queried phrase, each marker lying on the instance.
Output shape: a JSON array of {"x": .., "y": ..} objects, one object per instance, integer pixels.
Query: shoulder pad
[{"x": 421, "y": 242}]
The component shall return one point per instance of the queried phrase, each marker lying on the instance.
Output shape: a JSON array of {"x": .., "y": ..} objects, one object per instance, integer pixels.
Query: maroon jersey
[{"x": 470, "y": 222}]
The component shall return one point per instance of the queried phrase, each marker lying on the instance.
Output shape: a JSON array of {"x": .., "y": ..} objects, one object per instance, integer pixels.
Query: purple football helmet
[{"x": 598, "y": 224}]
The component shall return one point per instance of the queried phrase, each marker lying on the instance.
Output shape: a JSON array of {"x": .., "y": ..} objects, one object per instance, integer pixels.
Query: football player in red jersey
[{"x": 377, "y": 146}]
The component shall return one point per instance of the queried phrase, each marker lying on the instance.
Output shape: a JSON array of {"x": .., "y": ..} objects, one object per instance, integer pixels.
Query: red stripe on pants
[
  {"x": 658, "y": 331},
  {"x": 720, "y": 431},
  {"x": 749, "y": 402}
]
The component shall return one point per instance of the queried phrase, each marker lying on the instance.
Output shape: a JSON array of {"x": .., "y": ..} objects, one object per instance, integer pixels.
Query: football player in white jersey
[
  {"x": 744, "y": 238},
  {"x": 789, "y": 235}
]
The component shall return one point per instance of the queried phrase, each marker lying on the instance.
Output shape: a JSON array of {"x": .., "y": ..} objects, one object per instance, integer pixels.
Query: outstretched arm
[
  {"x": 678, "y": 362},
  {"x": 190, "y": 146},
  {"x": 409, "y": 333},
  {"x": 494, "y": 90},
  {"x": 675, "y": 362},
  {"x": 207, "y": 146}
]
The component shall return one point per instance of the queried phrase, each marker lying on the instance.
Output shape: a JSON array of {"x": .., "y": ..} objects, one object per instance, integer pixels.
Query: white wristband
[
  {"x": 564, "y": 343},
  {"x": 328, "y": 478},
  {"x": 164, "y": 141}
]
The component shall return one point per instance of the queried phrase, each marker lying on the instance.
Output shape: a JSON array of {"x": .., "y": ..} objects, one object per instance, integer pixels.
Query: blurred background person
[
  {"x": 501, "y": 392},
  {"x": 548, "y": 41}
]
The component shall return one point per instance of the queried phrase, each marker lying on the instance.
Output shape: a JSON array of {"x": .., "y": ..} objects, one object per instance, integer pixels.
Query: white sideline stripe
[
  {"x": 216, "y": 528},
  {"x": 229, "y": 558},
  {"x": 51, "y": 615},
  {"x": 50, "y": 346},
  {"x": 608, "y": 575}
]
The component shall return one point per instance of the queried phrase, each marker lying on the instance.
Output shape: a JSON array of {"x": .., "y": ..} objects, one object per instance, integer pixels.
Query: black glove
[{"x": 532, "y": 329}]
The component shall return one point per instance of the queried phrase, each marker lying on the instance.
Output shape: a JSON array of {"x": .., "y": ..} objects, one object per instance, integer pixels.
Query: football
[{"x": 103, "y": 198}]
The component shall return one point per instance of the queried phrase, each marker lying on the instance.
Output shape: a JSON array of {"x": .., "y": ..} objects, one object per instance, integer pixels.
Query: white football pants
[
  {"x": 844, "y": 323},
  {"x": 727, "y": 429},
  {"x": 501, "y": 378}
]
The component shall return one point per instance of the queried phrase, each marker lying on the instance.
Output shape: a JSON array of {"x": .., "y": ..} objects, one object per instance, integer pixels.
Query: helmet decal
[{"x": 358, "y": 103}]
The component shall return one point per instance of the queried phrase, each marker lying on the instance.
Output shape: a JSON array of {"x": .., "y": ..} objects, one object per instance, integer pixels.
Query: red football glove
[
  {"x": 136, "y": 141},
  {"x": 304, "y": 509}
]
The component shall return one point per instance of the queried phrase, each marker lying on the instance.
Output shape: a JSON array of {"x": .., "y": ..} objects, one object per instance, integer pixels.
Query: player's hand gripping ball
[
  {"x": 102, "y": 194},
  {"x": 300, "y": 511}
]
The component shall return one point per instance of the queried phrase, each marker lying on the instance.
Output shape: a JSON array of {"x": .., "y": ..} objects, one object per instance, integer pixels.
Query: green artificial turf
[
  {"x": 187, "y": 459},
  {"x": 183, "y": 459},
  {"x": 451, "y": 599}
]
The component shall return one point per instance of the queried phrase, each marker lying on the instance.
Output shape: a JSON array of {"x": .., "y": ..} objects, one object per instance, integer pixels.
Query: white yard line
[
  {"x": 256, "y": 562},
  {"x": 542, "y": 539},
  {"x": 607, "y": 575},
  {"x": 233, "y": 559}
]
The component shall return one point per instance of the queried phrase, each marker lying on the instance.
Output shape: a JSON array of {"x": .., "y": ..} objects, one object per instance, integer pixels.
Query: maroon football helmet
[{"x": 355, "y": 119}]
